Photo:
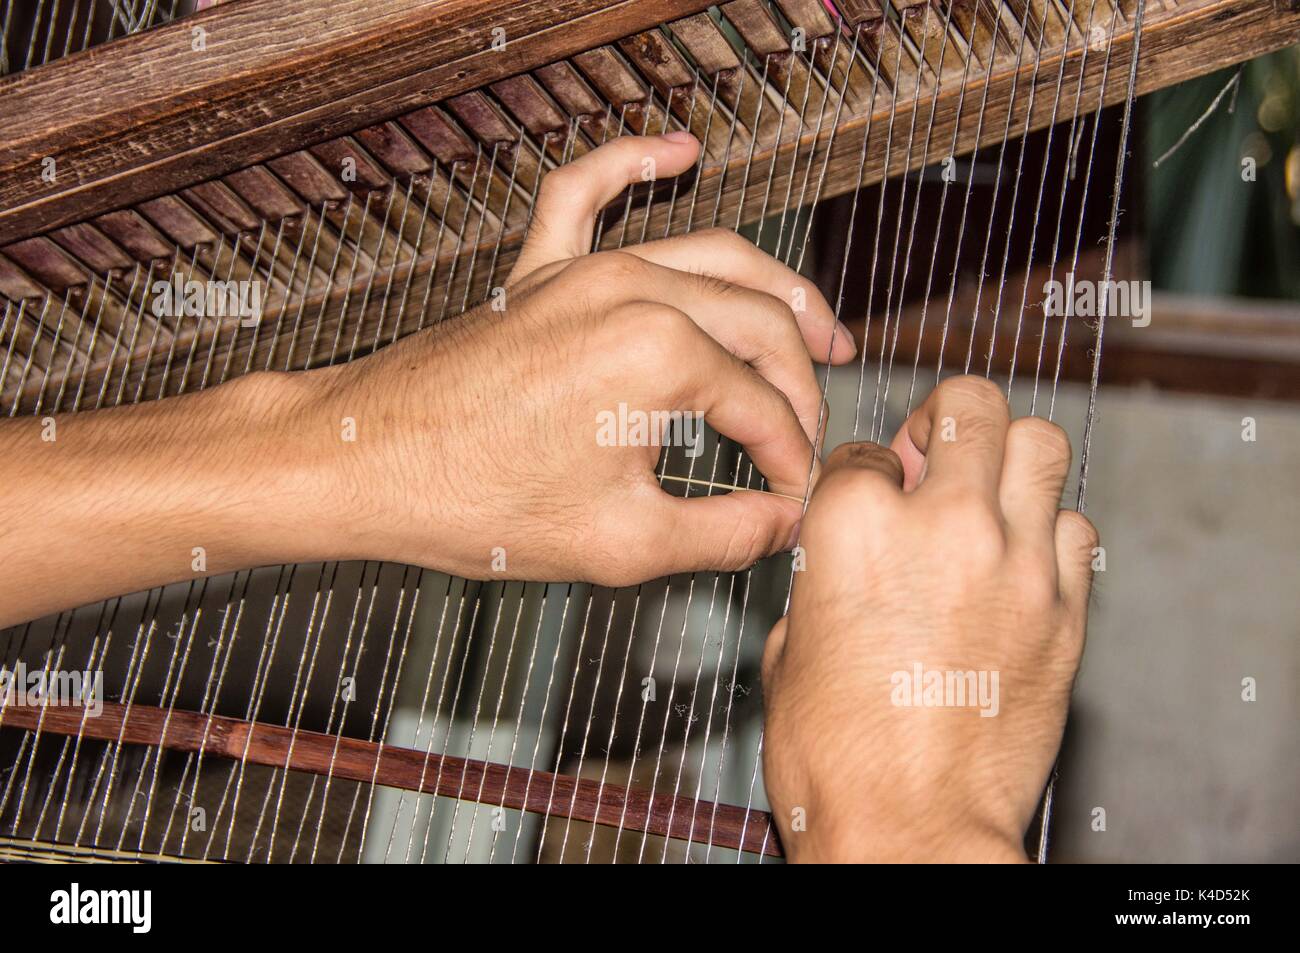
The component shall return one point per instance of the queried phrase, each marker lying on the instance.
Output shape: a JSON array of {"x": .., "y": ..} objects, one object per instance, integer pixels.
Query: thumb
[
  {"x": 725, "y": 533},
  {"x": 1076, "y": 544},
  {"x": 571, "y": 197},
  {"x": 772, "y": 652}
]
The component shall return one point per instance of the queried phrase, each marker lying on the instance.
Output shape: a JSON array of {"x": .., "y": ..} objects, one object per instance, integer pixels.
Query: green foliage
[{"x": 1210, "y": 231}]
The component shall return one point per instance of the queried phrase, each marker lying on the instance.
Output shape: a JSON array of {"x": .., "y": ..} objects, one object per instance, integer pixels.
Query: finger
[
  {"x": 564, "y": 216},
  {"x": 773, "y": 649},
  {"x": 1076, "y": 551},
  {"x": 754, "y": 326},
  {"x": 1034, "y": 471},
  {"x": 741, "y": 405},
  {"x": 961, "y": 431},
  {"x": 912, "y": 458},
  {"x": 723, "y": 533},
  {"x": 738, "y": 403},
  {"x": 855, "y": 495},
  {"x": 738, "y": 261},
  {"x": 861, "y": 459}
]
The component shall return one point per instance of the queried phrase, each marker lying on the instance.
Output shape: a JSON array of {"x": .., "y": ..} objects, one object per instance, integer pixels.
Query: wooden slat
[
  {"x": 809, "y": 15},
  {"x": 178, "y": 221},
  {"x": 861, "y": 11},
  {"x": 658, "y": 60},
  {"x": 221, "y": 205},
  {"x": 304, "y": 173},
  {"x": 394, "y": 148},
  {"x": 46, "y": 262},
  {"x": 883, "y": 47},
  {"x": 755, "y": 24},
  {"x": 530, "y": 105},
  {"x": 14, "y": 283},
  {"x": 436, "y": 132},
  {"x": 938, "y": 50},
  {"x": 978, "y": 23},
  {"x": 130, "y": 230},
  {"x": 98, "y": 252},
  {"x": 706, "y": 43},
  {"x": 607, "y": 72}
]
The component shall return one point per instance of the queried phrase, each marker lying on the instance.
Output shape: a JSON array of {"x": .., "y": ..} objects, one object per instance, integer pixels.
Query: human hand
[
  {"x": 477, "y": 446},
  {"x": 950, "y": 551}
]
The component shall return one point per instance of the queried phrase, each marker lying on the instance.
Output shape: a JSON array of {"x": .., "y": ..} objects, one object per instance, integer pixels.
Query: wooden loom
[{"x": 375, "y": 168}]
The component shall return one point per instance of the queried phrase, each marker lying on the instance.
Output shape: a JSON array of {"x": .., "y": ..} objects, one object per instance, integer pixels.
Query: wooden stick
[{"x": 542, "y": 792}]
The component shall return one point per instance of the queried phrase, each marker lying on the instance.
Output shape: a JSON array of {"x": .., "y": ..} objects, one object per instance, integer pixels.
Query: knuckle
[
  {"x": 724, "y": 237},
  {"x": 747, "y": 543},
  {"x": 979, "y": 431},
  {"x": 650, "y": 334},
  {"x": 972, "y": 525},
  {"x": 784, "y": 405},
  {"x": 980, "y": 391},
  {"x": 983, "y": 545},
  {"x": 863, "y": 458},
  {"x": 772, "y": 402},
  {"x": 713, "y": 285},
  {"x": 1038, "y": 593},
  {"x": 780, "y": 341},
  {"x": 1080, "y": 530},
  {"x": 1049, "y": 438},
  {"x": 788, "y": 417},
  {"x": 848, "y": 489},
  {"x": 610, "y": 270},
  {"x": 783, "y": 314},
  {"x": 1035, "y": 582},
  {"x": 558, "y": 183},
  {"x": 668, "y": 324},
  {"x": 543, "y": 274}
]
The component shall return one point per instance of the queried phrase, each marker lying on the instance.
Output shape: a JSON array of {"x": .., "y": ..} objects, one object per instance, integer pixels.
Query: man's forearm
[
  {"x": 113, "y": 501},
  {"x": 473, "y": 448}
]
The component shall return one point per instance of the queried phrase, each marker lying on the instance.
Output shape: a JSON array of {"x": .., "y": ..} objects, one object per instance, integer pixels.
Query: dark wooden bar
[
  {"x": 1218, "y": 347},
  {"x": 543, "y": 792}
]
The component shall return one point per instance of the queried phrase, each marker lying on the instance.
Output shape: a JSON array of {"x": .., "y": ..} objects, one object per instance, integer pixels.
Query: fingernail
[
  {"x": 678, "y": 135},
  {"x": 842, "y": 331},
  {"x": 793, "y": 541}
]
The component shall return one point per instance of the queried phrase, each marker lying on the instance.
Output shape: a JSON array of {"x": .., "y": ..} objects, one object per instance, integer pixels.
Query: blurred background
[{"x": 1201, "y": 527}]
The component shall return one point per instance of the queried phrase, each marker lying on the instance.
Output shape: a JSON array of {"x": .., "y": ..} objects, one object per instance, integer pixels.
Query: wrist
[
  {"x": 238, "y": 470},
  {"x": 380, "y": 467},
  {"x": 155, "y": 493},
  {"x": 921, "y": 832},
  {"x": 159, "y": 492},
  {"x": 951, "y": 847},
  {"x": 273, "y": 462}
]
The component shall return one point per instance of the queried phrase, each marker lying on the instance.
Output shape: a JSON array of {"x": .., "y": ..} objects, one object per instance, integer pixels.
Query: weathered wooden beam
[
  {"x": 484, "y": 782},
  {"x": 249, "y": 80},
  {"x": 1223, "y": 347}
]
